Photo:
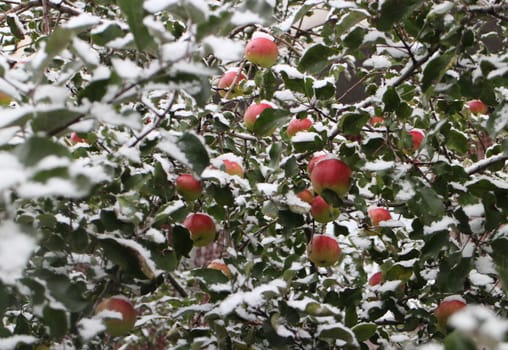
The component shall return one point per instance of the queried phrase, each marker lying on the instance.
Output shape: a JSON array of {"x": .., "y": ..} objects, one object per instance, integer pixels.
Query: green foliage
[{"x": 85, "y": 219}]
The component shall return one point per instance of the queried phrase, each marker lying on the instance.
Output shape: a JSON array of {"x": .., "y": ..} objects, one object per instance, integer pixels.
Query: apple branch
[
  {"x": 414, "y": 67},
  {"x": 37, "y": 3},
  {"x": 485, "y": 163},
  {"x": 177, "y": 285}
]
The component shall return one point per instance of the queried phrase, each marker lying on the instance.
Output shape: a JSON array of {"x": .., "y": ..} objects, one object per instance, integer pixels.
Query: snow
[
  {"x": 125, "y": 68},
  {"x": 173, "y": 52},
  {"x": 245, "y": 17},
  {"x": 377, "y": 62},
  {"x": 9, "y": 343},
  {"x": 296, "y": 204},
  {"x": 52, "y": 187},
  {"x": 341, "y": 4},
  {"x": 260, "y": 34},
  {"x": 379, "y": 165},
  {"x": 155, "y": 235},
  {"x": 12, "y": 171},
  {"x": 90, "y": 327},
  {"x": 305, "y": 136},
  {"x": 440, "y": 225},
  {"x": 406, "y": 192},
  {"x": 479, "y": 279},
  {"x": 85, "y": 52},
  {"x": 81, "y": 21},
  {"x": 153, "y": 6},
  {"x": 223, "y": 48},
  {"x": 120, "y": 43},
  {"x": 267, "y": 189},
  {"x": 441, "y": 9},
  {"x": 480, "y": 321},
  {"x": 291, "y": 71},
  {"x": 15, "y": 250},
  {"x": 431, "y": 346},
  {"x": 485, "y": 265},
  {"x": 389, "y": 286}
]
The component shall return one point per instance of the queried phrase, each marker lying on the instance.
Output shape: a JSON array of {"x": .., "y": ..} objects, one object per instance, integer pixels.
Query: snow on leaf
[
  {"x": 15, "y": 250},
  {"x": 9, "y": 343}
]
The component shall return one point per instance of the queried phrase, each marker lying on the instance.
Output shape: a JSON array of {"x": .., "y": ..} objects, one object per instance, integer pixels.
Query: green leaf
[
  {"x": 109, "y": 33},
  {"x": 363, "y": 331},
  {"x": 36, "y": 148},
  {"x": 498, "y": 121},
  {"x": 58, "y": 41},
  {"x": 435, "y": 70},
  {"x": 269, "y": 120},
  {"x": 391, "y": 99},
  {"x": 56, "y": 320},
  {"x": 458, "y": 341},
  {"x": 133, "y": 10},
  {"x": 352, "y": 123},
  {"x": 181, "y": 240},
  {"x": 194, "y": 151},
  {"x": 349, "y": 20},
  {"x": 316, "y": 59},
  {"x": 66, "y": 292},
  {"x": 210, "y": 276},
  {"x": 355, "y": 38},
  {"x": 457, "y": 141},
  {"x": 392, "y": 11},
  {"x": 451, "y": 276},
  {"x": 53, "y": 119},
  {"x": 12, "y": 22},
  {"x": 337, "y": 332}
]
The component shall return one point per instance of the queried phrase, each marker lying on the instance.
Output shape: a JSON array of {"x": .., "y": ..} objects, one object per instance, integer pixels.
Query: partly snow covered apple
[
  {"x": 118, "y": 314},
  {"x": 201, "y": 227},
  {"x": 323, "y": 250},
  {"x": 377, "y": 215},
  {"x": 305, "y": 195},
  {"x": 418, "y": 136},
  {"x": 188, "y": 187},
  {"x": 446, "y": 308},
  {"x": 331, "y": 174},
  {"x": 376, "y": 121},
  {"x": 5, "y": 99},
  {"x": 218, "y": 264},
  {"x": 262, "y": 51},
  {"x": 296, "y": 125},
  {"x": 375, "y": 279},
  {"x": 252, "y": 113},
  {"x": 226, "y": 83},
  {"x": 75, "y": 138},
  {"x": 314, "y": 161},
  {"x": 323, "y": 212},
  {"x": 477, "y": 107},
  {"x": 232, "y": 168}
]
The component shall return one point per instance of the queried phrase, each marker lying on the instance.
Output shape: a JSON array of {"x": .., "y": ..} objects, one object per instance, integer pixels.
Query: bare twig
[{"x": 177, "y": 285}]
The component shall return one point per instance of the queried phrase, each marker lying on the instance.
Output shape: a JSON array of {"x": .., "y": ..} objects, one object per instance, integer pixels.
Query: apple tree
[{"x": 253, "y": 174}]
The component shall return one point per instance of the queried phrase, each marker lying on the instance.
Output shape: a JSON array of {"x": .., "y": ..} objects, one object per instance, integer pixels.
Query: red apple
[
  {"x": 4, "y": 99},
  {"x": 314, "y": 161},
  {"x": 252, "y": 113},
  {"x": 296, "y": 125},
  {"x": 305, "y": 195},
  {"x": 323, "y": 212},
  {"x": 477, "y": 107},
  {"x": 232, "y": 167},
  {"x": 218, "y": 264},
  {"x": 126, "y": 319},
  {"x": 376, "y": 121},
  {"x": 201, "y": 227},
  {"x": 418, "y": 136},
  {"x": 262, "y": 51},
  {"x": 323, "y": 250},
  {"x": 375, "y": 279},
  {"x": 75, "y": 138},
  {"x": 377, "y": 215},
  {"x": 188, "y": 187},
  {"x": 446, "y": 308},
  {"x": 331, "y": 174},
  {"x": 226, "y": 82}
]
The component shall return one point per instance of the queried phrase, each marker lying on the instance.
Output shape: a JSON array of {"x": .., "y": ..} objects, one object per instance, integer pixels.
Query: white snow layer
[{"x": 15, "y": 250}]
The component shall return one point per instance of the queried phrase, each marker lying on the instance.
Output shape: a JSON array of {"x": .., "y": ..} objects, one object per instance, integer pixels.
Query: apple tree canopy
[{"x": 104, "y": 103}]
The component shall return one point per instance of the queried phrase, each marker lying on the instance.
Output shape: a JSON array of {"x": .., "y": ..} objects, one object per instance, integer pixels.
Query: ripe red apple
[
  {"x": 375, "y": 279},
  {"x": 232, "y": 167},
  {"x": 75, "y": 138},
  {"x": 377, "y": 215},
  {"x": 477, "y": 107},
  {"x": 201, "y": 227},
  {"x": 376, "y": 121},
  {"x": 226, "y": 83},
  {"x": 314, "y": 161},
  {"x": 262, "y": 51},
  {"x": 188, "y": 187},
  {"x": 323, "y": 212},
  {"x": 446, "y": 308},
  {"x": 126, "y": 319},
  {"x": 296, "y": 125},
  {"x": 331, "y": 174},
  {"x": 418, "y": 136},
  {"x": 218, "y": 264},
  {"x": 4, "y": 99},
  {"x": 323, "y": 250},
  {"x": 252, "y": 113},
  {"x": 305, "y": 195}
]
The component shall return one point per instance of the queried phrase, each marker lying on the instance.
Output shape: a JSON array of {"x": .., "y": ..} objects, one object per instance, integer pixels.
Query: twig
[
  {"x": 45, "y": 17},
  {"x": 485, "y": 163},
  {"x": 36, "y": 3},
  {"x": 177, "y": 285},
  {"x": 414, "y": 67},
  {"x": 494, "y": 10}
]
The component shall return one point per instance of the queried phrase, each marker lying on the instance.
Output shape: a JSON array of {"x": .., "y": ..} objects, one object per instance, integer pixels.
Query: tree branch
[
  {"x": 485, "y": 163},
  {"x": 414, "y": 67}
]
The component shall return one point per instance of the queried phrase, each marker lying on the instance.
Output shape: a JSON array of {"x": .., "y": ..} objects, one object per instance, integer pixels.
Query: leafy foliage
[{"x": 136, "y": 82}]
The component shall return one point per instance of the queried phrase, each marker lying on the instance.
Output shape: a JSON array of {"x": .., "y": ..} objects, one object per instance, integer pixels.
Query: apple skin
[
  {"x": 323, "y": 250},
  {"x": 118, "y": 303},
  {"x": 227, "y": 80},
  {"x": 376, "y": 279},
  {"x": 331, "y": 174},
  {"x": 418, "y": 136},
  {"x": 262, "y": 51},
  {"x": 232, "y": 167},
  {"x": 376, "y": 121},
  {"x": 477, "y": 107},
  {"x": 296, "y": 125},
  {"x": 377, "y": 215},
  {"x": 323, "y": 212},
  {"x": 218, "y": 264},
  {"x": 5, "y": 99},
  {"x": 445, "y": 309},
  {"x": 306, "y": 196},
  {"x": 314, "y": 161},
  {"x": 201, "y": 227},
  {"x": 252, "y": 113},
  {"x": 188, "y": 187},
  {"x": 75, "y": 138}
]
